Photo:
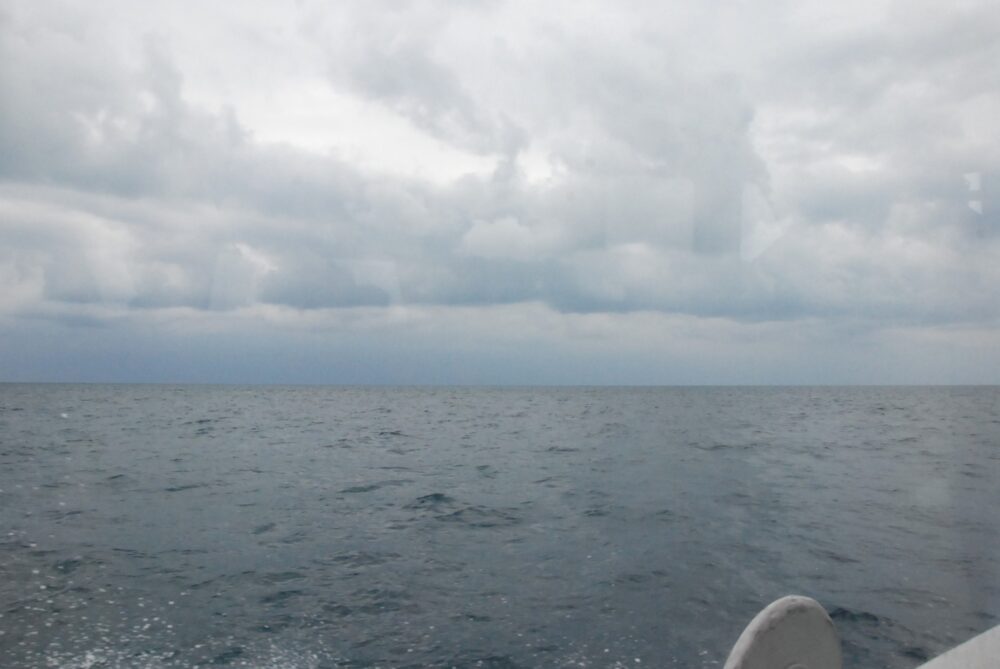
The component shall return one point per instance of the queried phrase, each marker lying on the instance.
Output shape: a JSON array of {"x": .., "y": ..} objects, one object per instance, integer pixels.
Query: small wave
[
  {"x": 447, "y": 509},
  {"x": 199, "y": 421},
  {"x": 266, "y": 527},
  {"x": 915, "y": 652},
  {"x": 371, "y": 487},
  {"x": 480, "y": 516},
  {"x": 487, "y": 662},
  {"x": 435, "y": 499},
  {"x": 281, "y": 596},
  {"x": 228, "y": 655},
  {"x": 71, "y": 565},
  {"x": 187, "y": 486},
  {"x": 850, "y": 615},
  {"x": 282, "y": 576},
  {"x": 356, "y": 559},
  {"x": 362, "y": 488},
  {"x": 296, "y": 537},
  {"x": 381, "y": 600},
  {"x": 834, "y": 556}
]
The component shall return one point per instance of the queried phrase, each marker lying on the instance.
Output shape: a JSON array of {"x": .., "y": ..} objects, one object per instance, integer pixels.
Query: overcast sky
[{"x": 500, "y": 192}]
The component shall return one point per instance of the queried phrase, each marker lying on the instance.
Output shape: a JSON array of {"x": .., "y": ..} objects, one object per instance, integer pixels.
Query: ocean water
[{"x": 193, "y": 526}]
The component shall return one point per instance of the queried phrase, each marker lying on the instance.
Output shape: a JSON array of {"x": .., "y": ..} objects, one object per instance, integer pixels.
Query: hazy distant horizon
[{"x": 500, "y": 386}]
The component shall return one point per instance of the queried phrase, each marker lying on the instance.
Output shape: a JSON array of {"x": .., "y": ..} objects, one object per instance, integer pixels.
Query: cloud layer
[{"x": 774, "y": 178}]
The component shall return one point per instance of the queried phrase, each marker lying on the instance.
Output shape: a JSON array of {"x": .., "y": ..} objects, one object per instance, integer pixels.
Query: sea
[{"x": 307, "y": 527}]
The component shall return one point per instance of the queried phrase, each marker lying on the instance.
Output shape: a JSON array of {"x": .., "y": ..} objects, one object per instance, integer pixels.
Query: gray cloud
[{"x": 818, "y": 179}]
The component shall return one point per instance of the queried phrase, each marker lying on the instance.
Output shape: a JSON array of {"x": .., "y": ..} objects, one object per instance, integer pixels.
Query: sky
[{"x": 500, "y": 192}]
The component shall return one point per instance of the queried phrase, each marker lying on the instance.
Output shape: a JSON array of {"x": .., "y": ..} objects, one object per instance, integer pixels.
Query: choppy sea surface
[{"x": 307, "y": 527}]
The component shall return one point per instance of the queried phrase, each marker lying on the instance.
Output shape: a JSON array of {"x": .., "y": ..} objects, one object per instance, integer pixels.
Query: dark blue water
[{"x": 158, "y": 526}]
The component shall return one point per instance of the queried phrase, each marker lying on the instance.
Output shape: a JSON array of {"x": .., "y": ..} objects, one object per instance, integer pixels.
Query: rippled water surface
[{"x": 183, "y": 526}]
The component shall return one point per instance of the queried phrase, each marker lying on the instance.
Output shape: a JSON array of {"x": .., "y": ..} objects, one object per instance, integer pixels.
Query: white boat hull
[{"x": 796, "y": 633}]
